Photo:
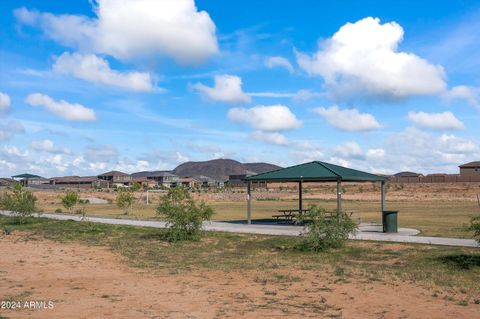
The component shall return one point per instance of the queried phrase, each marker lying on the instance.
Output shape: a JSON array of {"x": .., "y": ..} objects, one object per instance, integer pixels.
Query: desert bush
[
  {"x": 136, "y": 187},
  {"x": 183, "y": 215},
  {"x": 70, "y": 199},
  {"x": 325, "y": 230},
  {"x": 125, "y": 200},
  {"x": 19, "y": 201},
  {"x": 475, "y": 227}
]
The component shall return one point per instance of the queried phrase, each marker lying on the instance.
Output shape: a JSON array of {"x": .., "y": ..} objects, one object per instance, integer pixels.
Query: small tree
[
  {"x": 136, "y": 187},
  {"x": 326, "y": 230},
  {"x": 183, "y": 215},
  {"x": 70, "y": 199},
  {"x": 475, "y": 227},
  {"x": 20, "y": 201},
  {"x": 125, "y": 200}
]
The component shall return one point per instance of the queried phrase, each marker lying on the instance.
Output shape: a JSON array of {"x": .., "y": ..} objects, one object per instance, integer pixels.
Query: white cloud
[
  {"x": 63, "y": 109},
  {"x": 348, "y": 150},
  {"x": 270, "y": 137},
  {"x": 436, "y": 121},
  {"x": 463, "y": 92},
  {"x": 133, "y": 29},
  {"x": 265, "y": 118},
  {"x": 361, "y": 59},
  {"x": 4, "y": 102},
  {"x": 278, "y": 61},
  {"x": 101, "y": 153},
  {"x": 92, "y": 68},
  {"x": 349, "y": 119},
  {"x": 305, "y": 95},
  {"x": 227, "y": 88},
  {"x": 415, "y": 150},
  {"x": 375, "y": 154},
  {"x": 47, "y": 146},
  {"x": 10, "y": 129}
]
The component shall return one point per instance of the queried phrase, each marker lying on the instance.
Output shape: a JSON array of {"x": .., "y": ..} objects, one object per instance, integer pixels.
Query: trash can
[{"x": 390, "y": 221}]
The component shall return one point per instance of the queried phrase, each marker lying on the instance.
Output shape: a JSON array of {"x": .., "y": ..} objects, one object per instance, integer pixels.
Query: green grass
[{"x": 453, "y": 267}]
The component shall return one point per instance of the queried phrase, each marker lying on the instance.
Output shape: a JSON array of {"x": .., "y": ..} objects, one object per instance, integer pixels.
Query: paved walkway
[{"x": 366, "y": 231}]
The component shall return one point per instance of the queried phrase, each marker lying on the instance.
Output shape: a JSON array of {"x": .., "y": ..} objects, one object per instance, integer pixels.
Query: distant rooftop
[
  {"x": 153, "y": 174},
  {"x": 407, "y": 174},
  {"x": 475, "y": 164},
  {"x": 114, "y": 173}
]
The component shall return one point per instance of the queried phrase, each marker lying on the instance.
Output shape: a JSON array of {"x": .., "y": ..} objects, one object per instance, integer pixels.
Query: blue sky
[{"x": 90, "y": 86}]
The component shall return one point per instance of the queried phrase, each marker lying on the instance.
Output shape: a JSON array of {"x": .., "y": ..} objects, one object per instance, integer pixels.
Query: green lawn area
[
  {"x": 432, "y": 218},
  {"x": 451, "y": 267}
]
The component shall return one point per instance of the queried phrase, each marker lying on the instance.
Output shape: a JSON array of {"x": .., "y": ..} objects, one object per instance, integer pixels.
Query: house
[
  {"x": 206, "y": 181},
  {"x": 189, "y": 182},
  {"x": 145, "y": 182},
  {"x": 116, "y": 178},
  {"x": 237, "y": 180},
  {"x": 163, "y": 178},
  {"x": 5, "y": 182},
  {"x": 79, "y": 182},
  {"x": 468, "y": 169},
  {"x": 408, "y": 174},
  {"x": 30, "y": 179}
]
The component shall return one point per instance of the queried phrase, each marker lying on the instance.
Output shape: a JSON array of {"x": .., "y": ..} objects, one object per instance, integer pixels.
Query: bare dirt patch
[{"x": 92, "y": 282}]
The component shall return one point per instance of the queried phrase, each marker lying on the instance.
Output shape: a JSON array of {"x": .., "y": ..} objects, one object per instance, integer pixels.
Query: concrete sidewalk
[{"x": 365, "y": 232}]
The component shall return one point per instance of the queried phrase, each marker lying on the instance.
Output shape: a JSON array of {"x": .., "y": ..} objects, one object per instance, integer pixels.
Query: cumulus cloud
[
  {"x": 270, "y": 137},
  {"x": 4, "y": 102},
  {"x": 462, "y": 92},
  {"x": 436, "y": 121},
  {"x": 265, "y": 118},
  {"x": 10, "y": 129},
  {"x": 348, "y": 119},
  {"x": 416, "y": 150},
  {"x": 63, "y": 109},
  {"x": 362, "y": 59},
  {"x": 47, "y": 146},
  {"x": 101, "y": 153},
  {"x": 92, "y": 68},
  {"x": 227, "y": 88},
  {"x": 348, "y": 150},
  {"x": 279, "y": 62},
  {"x": 133, "y": 29}
]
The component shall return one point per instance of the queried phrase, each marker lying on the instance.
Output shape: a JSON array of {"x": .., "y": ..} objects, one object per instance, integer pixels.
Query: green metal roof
[
  {"x": 26, "y": 176},
  {"x": 316, "y": 171}
]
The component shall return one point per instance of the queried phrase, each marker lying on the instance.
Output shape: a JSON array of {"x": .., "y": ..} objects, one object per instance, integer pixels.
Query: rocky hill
[{"x": 219, "y": 169}]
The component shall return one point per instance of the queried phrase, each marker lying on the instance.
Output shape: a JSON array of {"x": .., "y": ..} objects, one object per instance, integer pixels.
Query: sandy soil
[{"x": 92, "y": 282}]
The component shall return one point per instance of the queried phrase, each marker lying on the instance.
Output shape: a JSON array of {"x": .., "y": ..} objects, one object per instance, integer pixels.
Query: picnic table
[{"x": 289, "y": 214}]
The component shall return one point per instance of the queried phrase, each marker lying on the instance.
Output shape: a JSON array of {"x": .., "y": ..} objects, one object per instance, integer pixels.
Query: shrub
[
  {"x": 183, "y": 215},
  {"x": 136, "y": 187},
  {"x": 19, "y": 201},
  {"x": 70, "y": 199},
  {"x": 125, "y": 200},
  {"x": 475, "y": 227},
  {"x": 325, "y": 230}
]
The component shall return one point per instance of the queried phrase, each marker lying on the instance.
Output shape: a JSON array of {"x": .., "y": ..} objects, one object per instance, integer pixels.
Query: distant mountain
[{"x": 220, "y": 169}]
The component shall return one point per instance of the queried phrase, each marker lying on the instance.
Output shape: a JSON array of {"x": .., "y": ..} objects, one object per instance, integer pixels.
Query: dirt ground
[{"x": 93, "y": 282}]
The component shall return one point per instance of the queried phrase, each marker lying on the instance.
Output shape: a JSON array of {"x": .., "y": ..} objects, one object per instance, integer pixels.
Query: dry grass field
[
  {"x": 434, "y": 209},
  {"x": 104, "y": 271}
]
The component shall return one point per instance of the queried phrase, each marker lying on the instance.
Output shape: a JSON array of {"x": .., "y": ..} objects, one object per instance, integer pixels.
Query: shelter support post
[
  {"x": 300, "y": 203},
  {"x": 249, "y": 202},
  {"x": 382, "y": 202},
  {"x": 339, "y": 197}
]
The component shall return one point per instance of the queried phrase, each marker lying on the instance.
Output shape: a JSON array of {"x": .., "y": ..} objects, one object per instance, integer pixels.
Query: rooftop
[
  {"x": 316, "y": 171},
  {"x": 474, "y": 164},
  {"x": 114, "y": 173}
]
